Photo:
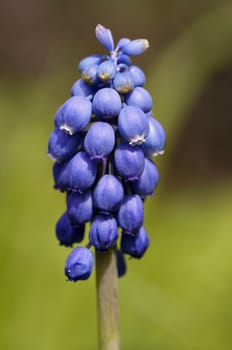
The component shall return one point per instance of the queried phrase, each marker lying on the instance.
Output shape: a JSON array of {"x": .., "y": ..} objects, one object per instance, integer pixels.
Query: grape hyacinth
[{"x": 102, "y": 144}]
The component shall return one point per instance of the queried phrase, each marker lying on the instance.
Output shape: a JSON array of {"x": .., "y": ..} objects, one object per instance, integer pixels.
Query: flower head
[{"x": 102, "y": 145}]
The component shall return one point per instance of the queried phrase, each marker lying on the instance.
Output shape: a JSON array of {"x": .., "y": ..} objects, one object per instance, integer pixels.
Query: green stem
[{"x": 107, "y": 300}]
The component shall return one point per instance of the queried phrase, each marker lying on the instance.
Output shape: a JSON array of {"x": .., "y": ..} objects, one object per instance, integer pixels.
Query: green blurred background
[{"x": 178, "y": 297}]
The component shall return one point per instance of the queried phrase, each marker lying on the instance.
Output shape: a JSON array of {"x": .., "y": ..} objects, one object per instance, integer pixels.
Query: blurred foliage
[{"x": 178, "y": 295}]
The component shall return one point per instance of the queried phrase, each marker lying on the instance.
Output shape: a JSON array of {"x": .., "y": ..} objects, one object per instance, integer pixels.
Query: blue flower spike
[{"x": 103, "y": 142}]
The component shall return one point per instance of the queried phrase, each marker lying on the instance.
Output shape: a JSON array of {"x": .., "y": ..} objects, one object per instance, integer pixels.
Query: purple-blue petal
[
  {"x": 106, "y": 103},
  {"x": 81, "y": 88},
  {"x": 62, "y": 146},
  {"x": 133, "y": 125},
  {"x": 89, "y": 61},
  {"x": 76, "y": 115},
  {"x": 106, "y": 70},
  {"x": 155, "y": 140},
  {"x": 66, "y": 233},
  {"x": 123, "y": 82},
  {"x": 140, "y": 98},
  {"x": 60, "y": 176},
  {"x": 135, "y": 245},
  {"x": 138, "y": 75},
  {"x": 79, "y": 264},
  {"x": 129, "y": 161},
  {"x": 81, "y": 172},
  {"x": 103, "y": 232},
  {"x": 131, "y": 214},
  {"x": 147, "y": 182},
  {"x": 80, "y": 207},
  {"x": 108, "y": 193},
  {"x": 121, "y": 263},
  {"x": 135, "y": 47},
  {"x": 105, "y": 37},
  {"x": 99, "y": 140}
]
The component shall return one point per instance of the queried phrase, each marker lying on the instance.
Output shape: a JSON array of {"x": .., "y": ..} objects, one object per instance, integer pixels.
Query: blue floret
[{"x": 79, "y": 264}]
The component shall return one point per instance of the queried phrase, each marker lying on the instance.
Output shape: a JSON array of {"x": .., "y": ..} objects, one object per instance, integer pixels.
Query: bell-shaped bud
[
  {"x": 103, "y": 232},
  {"x": 89, "y": 75},
  {"x": 123, "y": 82},
  {"x": 106, "y": 70},
  {"x": 80, "y": 207},
  {"x": 140, "y": 98},
  {"x": 106, "y": 103},
  {"x": 147, "y": 182},
  {"x": 68, "y": 234},
  {"x": 133, "y": 125},
  {"x": 135, "y": 47},
  {"x": 108, "y": 193},
  {"x": 89, "y": 61},
  {"x": 62, "y": 146},
  {"x": 131, "y": 214},
  {"x": 121, "y": 263},
  {"x": 99, "y": 140},
  {"x": 135, "y": 245},
  {"x": 79, "y": 264},
  {"x": 138, "y": 75},
  {"x": 105, "y": 37},
  {"x": 129, "y": 161},
  {"x": 122, "y": 42},
  {"x": 76, "y": 115},
  {"x": 81, "y": 88},
  {"x": 59, "y": 114},
  {"x": 60, "y": 176},
  {"x": 155, "y": 140},
  {"x": 81, "y": 172},
  {"x": 124, "y": 59}
]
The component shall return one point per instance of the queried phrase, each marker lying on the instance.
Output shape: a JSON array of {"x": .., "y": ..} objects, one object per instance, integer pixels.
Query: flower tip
[
  {"x": 146, "y": 44},
  {"x": 99, "y": 27}
]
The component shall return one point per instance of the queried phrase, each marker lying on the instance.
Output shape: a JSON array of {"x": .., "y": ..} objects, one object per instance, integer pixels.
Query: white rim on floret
[
  {"x": 67, "y": 128},
  {"x": 137, "y": 140}
]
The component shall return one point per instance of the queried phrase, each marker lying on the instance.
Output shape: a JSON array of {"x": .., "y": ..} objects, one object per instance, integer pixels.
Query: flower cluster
[{"x": 102, "y": 145}]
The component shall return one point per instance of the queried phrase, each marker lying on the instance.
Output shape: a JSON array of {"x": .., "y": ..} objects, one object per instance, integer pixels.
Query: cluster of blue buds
[{"x": 102, "y": 145}]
